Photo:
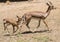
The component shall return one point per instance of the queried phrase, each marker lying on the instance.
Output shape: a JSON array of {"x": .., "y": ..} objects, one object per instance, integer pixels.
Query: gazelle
[
  {"x": 38, "y": 14},
  {"x": 10, "y": 21}
]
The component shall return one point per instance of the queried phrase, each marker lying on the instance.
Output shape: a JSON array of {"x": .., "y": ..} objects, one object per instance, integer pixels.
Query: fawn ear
[{"x": 17, "y": 16}]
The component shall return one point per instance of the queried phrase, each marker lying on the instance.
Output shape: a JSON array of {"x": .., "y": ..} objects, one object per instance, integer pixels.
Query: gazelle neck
[{"x": 48, "y": 11}]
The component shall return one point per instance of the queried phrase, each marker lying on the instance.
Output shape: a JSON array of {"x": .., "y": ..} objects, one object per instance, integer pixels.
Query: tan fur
[
  {"x": 38, "y": 14},
  {"x": 10, "y": 21}
]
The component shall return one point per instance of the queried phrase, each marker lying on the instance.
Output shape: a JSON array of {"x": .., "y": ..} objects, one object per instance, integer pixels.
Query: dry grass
[{"x": 19, "y": 8}]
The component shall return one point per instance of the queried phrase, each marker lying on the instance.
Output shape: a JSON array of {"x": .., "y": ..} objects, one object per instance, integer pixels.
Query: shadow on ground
[{"x": 29, "y": 32}]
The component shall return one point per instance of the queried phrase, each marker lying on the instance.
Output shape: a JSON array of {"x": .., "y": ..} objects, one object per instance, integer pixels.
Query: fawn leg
[
  {"x": 17, "y": 28},
  {"x": 13, "y": 29},
  {"x": 4, "y": 26},
  {"x": 7, "y": 28}
]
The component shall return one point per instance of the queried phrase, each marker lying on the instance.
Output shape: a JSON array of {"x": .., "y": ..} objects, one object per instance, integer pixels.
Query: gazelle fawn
[
  {"x": 10, "y": 21},
  {"x": 38, "y": 14}
]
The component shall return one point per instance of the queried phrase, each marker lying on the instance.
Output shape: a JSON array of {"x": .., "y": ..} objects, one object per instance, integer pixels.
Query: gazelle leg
[
  {"x": 39, "y": 23},
  {"x": 28, "y": 23},
  {"x": 46, "y": 25}
]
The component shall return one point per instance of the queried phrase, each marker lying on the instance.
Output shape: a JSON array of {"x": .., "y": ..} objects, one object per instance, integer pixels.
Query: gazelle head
[{"x": 51, "y": 5}]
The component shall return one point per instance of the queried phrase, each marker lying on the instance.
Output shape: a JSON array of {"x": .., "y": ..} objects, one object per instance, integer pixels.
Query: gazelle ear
[
  {"x": 50, "y": 2},
  {"x": 47, "y": 4}
]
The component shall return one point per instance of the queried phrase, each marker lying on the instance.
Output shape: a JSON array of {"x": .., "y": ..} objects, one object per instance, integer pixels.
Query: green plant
[
  {"x": 20, "y": 40},
  {"x": 19, "y": 34},
  {"x": 42, "y": 39}
]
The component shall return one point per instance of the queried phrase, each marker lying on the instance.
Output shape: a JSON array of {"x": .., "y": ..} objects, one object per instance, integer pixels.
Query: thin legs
[
  {"x": 46, "y": 25},
  {"x": 5, "y": 26},
  {"x": 28, "y": 23},
  {"x": 39, "y": 23},
  {"x": 14, "y": 29}
]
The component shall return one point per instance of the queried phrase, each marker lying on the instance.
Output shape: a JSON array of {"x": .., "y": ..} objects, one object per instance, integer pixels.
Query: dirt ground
[{"x": 19, "y": 8}]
